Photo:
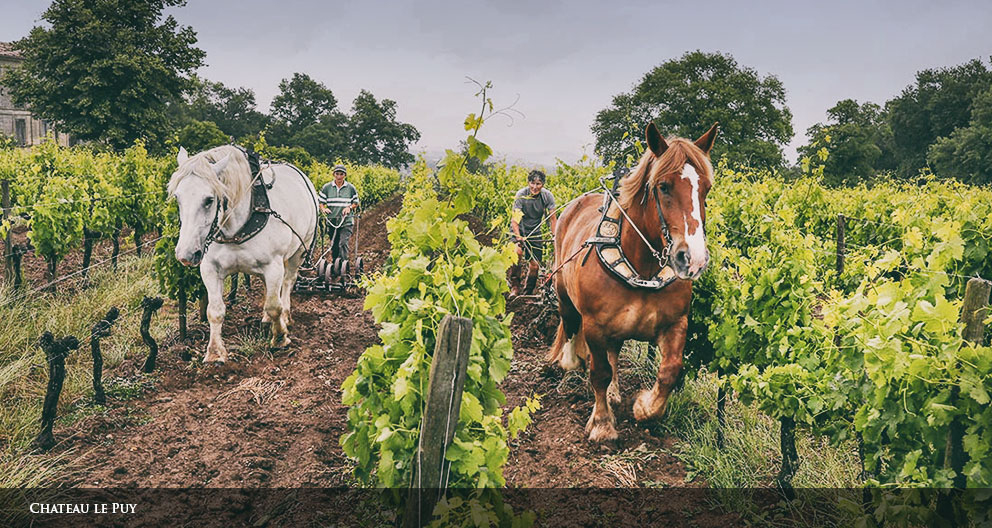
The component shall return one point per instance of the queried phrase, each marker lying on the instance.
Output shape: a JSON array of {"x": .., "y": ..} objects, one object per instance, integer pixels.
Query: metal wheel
[
  {"x": 328, "y": 273},
  {"x": 359, "y": 266},
  {"x": 336, "y": 267},
  {"x": 345, "y": 267},
  {"x": 321, "y": 264}
]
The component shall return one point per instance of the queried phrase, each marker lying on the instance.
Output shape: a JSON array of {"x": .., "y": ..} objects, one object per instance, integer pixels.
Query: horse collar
[
  {"x": 259, "y": 216},
  {"x": 610, "y": 251}
]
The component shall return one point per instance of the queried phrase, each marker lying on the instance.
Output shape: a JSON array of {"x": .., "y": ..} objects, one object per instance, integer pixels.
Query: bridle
[{"x": 214, "y": 226}]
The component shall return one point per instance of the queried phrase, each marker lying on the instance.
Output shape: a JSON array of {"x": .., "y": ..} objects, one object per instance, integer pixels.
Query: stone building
[{"x": 16, "y": 121}]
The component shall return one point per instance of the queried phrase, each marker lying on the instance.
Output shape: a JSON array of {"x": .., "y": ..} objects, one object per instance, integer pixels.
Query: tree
[
  {"x": 856, "y": 140},
  {"x": 106, "y": 69},
  {"x": 302, "y": 101},
  {"x": 327, "y": 139},
  {"x": 201, "y": 135},
  {"x": 685, "y": 96},
  {"x": 376, "y": 135},
  {"x": 938, "y": 103},
  {"x": 305, "y": 115},
  {"x": 233, "y": 110},
  {"x": 966, "y": 153}
]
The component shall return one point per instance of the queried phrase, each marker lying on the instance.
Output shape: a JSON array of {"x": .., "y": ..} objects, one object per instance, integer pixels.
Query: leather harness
[
  {"x": 260, "y": 210},
  {"x": 610, "y": 252}
]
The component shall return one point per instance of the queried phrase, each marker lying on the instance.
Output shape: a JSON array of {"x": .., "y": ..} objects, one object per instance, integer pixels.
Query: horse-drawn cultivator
[{"x": 338, "y": 275}]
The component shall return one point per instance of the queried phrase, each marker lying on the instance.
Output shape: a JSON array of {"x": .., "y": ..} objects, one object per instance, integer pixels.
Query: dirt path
[{"x": 274, "y": 419}]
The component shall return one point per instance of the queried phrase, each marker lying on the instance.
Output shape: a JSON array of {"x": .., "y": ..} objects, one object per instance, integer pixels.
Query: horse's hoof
[
  {"x": 613, "y": 393},
  {"x": 214, "y": 356},
  {"x": 266, "y": 318},
  {"x": 646, "y": 406},
  {"x": 279, "y": 344},
  {"x": 601, "y": 431}
]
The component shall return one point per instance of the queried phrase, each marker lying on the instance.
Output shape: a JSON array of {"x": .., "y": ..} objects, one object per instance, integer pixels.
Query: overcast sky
[{"x": 566, "y": 60}]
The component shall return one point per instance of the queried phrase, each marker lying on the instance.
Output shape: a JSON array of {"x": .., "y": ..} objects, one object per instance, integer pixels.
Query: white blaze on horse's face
[
  {"x": 695, "y": 235},
  {"x": 198, "y": 207}
]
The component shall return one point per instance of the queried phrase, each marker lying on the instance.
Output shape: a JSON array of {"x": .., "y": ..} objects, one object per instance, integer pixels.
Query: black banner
[{"x": 344, "y": 507}]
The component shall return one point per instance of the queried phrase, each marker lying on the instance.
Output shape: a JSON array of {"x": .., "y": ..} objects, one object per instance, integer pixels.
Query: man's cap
[{"x": 340, "y": 168}]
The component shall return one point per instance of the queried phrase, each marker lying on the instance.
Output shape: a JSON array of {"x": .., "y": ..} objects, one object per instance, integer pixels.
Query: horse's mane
[
  {"x": 651, "y": 168},
  {"x": 233, "y": 183}
]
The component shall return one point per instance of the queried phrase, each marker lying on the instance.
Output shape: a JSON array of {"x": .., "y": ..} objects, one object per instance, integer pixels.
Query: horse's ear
[
  {"x": 221, "y": 164},
  {"x": 182, "y": 156},
  {"x": 655, "y": 141},
  {"x": 705, "y": 142}
]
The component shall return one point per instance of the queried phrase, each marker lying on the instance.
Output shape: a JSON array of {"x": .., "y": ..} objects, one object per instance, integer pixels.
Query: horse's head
[
  {"x": 195, "y": 184},
  {"x": 672, "y": 180}
]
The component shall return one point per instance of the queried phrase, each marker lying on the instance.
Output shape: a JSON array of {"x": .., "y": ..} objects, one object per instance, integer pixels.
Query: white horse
[{"x": 213, "y": 191}]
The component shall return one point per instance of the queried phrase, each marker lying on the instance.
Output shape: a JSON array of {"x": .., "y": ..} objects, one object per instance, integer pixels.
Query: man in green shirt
[{"x": 338, "y": 202}]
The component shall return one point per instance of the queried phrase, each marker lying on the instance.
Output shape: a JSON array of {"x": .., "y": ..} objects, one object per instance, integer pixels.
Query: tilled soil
[{"x": 275, "y": 419}]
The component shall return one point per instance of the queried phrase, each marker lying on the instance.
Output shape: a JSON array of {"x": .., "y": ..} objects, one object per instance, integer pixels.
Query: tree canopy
[
  {"x": 302, "y": 101},
  {"x": 233, "y": 110},
  {"x": 201, "y": 135},
  {"x": 106, "y": 69},
  {"x": 376, "y": 135},
  {"x": 854, "y": 138},
  {"x": 943, "y": 119},
  {"x": 966, "y": 153},
  {"x": 938, "y": 103},
  {"x": 305, "y": 115},
  {"x": 685, "y": 96}
]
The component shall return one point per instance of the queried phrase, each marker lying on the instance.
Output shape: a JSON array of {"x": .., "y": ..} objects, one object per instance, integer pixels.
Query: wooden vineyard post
[
  {"x": 202, "y": 306},
  {"x": 17, "y": 252},
  {"x": 974, "y": 310},
  {"x": 55, "y": 353},
  {"x": 444, "y": 398},
  {"x": 790, "y": 457},
  {"x": 841, "y": 251},
  {"x": 150, "y": 305},
  {"x": 841, "y": 245},
  {"x": 721, "y": 413},
  {"x": 232, "y": 296},
  {"x": 88, "y": 238},
  {"x": 183, "y": 301},
  {"x": 100, "y": 330},
  {"x": 53, "y": 269},
  {"x": 8, "y": 261},
  {"x": 117, "y": 247}
]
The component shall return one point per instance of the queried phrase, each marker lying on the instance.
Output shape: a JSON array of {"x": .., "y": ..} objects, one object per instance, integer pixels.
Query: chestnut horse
[{"x": 599, "y": 310}]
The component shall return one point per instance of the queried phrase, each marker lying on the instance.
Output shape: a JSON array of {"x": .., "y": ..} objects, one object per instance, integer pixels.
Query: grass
[
  {"x": 750, "y": 456},
  {"x": 23, "y": 369}
]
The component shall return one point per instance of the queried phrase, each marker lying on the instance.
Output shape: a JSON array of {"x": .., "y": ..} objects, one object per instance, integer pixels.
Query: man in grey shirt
[{"x": 536, "y": 205}]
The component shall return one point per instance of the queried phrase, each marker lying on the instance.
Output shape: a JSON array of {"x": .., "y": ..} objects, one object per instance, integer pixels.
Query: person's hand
[{"x": 323, "y": 208}]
